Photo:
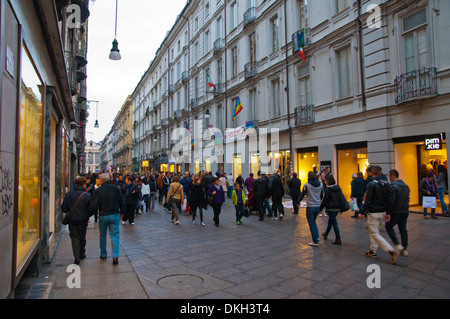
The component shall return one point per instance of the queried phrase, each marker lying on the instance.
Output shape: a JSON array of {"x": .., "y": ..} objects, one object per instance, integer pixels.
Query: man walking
[
  {"x": 376, "y": 204},
  {"x": 132, "y": 194},
  {"x": 110, "y": 203},
  {"x": 76, "y": 204},
  {"x": 398, "y": 212},
  {"x": 313, "y": 190},
  {"x": 261, "y": 187},
  {"x": 277, "y": 192},
  {"x": 295, "y": 186}
]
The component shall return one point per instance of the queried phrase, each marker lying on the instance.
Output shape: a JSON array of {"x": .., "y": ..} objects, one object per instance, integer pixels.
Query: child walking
[{"x": 239, "y": 200}]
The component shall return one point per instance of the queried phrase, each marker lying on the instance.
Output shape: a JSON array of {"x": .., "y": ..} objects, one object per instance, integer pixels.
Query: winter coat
[
  {"x": 276, "y": 188},
  {"x": 175, "y": 189},
  {"x": 132, "y": 194},
  {"x": 399, "y": 198},
  {"x": 80, "y": 213},
  {"x": 377, "y": 196},
  {"x": 424, "y": 189},
  {"x": 108, "y": 200},
  {"x": 219, "y": 197},
  {"x": 358, "y": 187},
  {"x": 295, "y": 187},
  {"x": 332, "y": 198},
  {"x": 234, "y": 197},
  {"x": 196, "y": 196},
  {"x": 261, "y": 188}
]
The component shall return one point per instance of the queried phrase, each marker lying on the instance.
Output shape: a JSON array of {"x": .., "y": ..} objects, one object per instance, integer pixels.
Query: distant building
[{"x": 93, "y": 157}]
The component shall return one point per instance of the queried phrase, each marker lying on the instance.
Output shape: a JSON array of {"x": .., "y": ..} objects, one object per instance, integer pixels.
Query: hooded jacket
[
  {"x": 358, "y": 187},
  {"x": 332, "y": 198},
  {"x": 313, "y": 190},
  {"x": 79, "y": 214}
]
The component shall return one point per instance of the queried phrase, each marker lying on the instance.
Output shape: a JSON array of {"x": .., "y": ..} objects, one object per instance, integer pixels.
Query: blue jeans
[
  {"x": 332, "y": 223},
  {"x": 112, "y": 223},
  {"x": 239, "y": 211},
  {"x": 269, "y": 208},
  {"x": 441, "y": 192},
  {"x": 311, "y": 216}
]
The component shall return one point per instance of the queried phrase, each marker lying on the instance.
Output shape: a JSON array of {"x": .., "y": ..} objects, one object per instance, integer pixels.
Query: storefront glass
[
  {"x": 237, "y": 166},
  {"x": 30, "y": 148},
  {"x": 254, "y": 164},
  {"x": 307, "y": 161},
  {"x": 351, "y": 161},
  {"x": 207, "y": 164}
]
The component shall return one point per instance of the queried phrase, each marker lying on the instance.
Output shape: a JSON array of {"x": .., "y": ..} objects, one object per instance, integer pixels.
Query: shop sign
[{"x": 433, "y": 143}]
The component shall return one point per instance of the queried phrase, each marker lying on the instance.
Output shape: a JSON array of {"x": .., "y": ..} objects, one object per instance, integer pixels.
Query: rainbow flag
[{"x": 238, "y": 108}]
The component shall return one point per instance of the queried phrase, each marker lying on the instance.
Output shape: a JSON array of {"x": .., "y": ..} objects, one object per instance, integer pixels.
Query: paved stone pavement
[{"x": 257, "y": 260}]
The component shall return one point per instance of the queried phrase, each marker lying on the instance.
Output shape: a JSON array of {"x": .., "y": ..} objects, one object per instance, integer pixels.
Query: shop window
[
  {"x": 237, "y": 165},
  {"x": 307, "y": 161},
  {"x": 30, "y": 162},
  {"x": 255, "y": 164},
  {"x": 351, "y": 161}
]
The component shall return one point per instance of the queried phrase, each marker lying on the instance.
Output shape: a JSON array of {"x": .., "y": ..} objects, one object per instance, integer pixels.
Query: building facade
[
  {"x": 373, "y": 87},
  {"x": 93, "y": 157},
  {"x": 122, "y": 139},
  {"x": 43, "y": 60}
]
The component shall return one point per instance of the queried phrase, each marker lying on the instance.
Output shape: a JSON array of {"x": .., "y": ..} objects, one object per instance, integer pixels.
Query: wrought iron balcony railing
[
  {"x": 304, "y": 115},
  {"x": 184, "y": 76},
  {"x": 304, "y": 34},
  {"x": 416, "y": 84},
  {"x": 218, "y": 45},
  {"x": 219, "y": 89}
]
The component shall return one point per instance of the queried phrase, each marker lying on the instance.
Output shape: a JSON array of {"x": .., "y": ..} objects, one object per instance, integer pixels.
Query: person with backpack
[
  {"x": 332, "y": 202},
  {"x": 376, "y": 204},
  {"x": 313, "y": 191}
]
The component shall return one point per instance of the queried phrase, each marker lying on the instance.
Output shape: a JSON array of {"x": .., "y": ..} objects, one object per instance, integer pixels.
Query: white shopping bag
[
  {"x": 353, "y": 205},
  {"x": 429, "y": 202}
]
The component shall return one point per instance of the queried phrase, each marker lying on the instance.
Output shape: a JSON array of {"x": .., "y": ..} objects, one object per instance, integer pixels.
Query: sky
[{"x": 141, "y": 27}]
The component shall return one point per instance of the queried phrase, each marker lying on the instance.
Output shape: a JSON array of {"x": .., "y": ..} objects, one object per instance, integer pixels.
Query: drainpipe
[
  {"x": 287, "y": 86},
  {"x": 361, "y": 57}
]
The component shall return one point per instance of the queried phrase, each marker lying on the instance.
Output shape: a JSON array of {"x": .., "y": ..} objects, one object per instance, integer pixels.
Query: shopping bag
[
  {"x": 429, "y": 202},
  {"x": 354, "y": 205}
]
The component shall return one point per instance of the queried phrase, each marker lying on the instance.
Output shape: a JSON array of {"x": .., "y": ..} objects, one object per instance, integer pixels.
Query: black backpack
[{"x": 383, "y": 191}]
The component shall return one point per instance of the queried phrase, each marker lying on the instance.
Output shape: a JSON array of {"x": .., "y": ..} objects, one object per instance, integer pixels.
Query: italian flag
[
  {"x": 210, "y": 83},
  {"x": 301, "y": 44}
]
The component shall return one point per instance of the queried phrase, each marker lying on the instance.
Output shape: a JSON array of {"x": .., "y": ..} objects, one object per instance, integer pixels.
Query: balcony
[
  {"x": 304, "y": 115},
  {"x": 251, "y": 69},
  {"x": 171, "y": 88},
  {"x": 303, "y": 33},
  {"x": 416, "y": 84},
  {"x": 72, "y": 67},
  {"x": 184, "y": 76},
  {"x": 194, "y": 103},
  {"x": 218, "y": 45},
  {"x": 219, "y": 89},
  {"x": 249, "y": 16}
]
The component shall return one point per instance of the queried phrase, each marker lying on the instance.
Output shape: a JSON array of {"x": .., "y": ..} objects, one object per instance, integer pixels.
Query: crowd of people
[{"x": 112, "y": 198}]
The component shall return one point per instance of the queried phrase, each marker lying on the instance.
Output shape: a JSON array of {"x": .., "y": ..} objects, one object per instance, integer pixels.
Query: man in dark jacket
[
  {"x": 376, "y": 204},
  {"x": 261, "y": 188},
  {"x": 277, "y": 191},
  {"x": 132, "y": 195},
  {"x": 295, "y": 190},
  {"x": 77, "y": 203},
  {"x": 110, "y": 203},
  {"x": 398, "y": 211},
  {"x": 358, "y": 186}
]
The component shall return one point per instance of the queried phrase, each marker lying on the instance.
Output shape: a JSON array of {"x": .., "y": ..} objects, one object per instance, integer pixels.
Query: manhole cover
[{"x": 180, "y": 282}]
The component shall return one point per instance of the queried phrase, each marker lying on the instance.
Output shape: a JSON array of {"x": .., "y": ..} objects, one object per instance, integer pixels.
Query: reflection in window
[{"x": 29, "y": 160}]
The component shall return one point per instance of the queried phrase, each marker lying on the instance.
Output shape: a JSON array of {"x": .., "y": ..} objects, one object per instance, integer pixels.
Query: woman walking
[
  {"x": 176, "y": 193},
  {"x": 332, "y": 201},
  {"x": 153, "y": 188},
  {"x": 197, "y": 199},
  {"x": 218, "y": 199}
]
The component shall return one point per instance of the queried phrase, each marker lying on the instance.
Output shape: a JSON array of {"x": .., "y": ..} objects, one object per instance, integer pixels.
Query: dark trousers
[
  {"x": 239, "y": 211},
  {"x": 295, "y": 202},
  {"x": 261, "y": 207},
  {"x": 194, "y": 212},
  {"x": 216, "y": 208},
  {"x": 400, "y": 220},
  {"x": 78, "y": 238},
  {"x": 277, "y": 205},
  {"x": 129, "y": 214}
]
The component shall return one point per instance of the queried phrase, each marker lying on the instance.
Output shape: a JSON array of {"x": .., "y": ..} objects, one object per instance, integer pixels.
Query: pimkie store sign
[{"x": 433, "y": 142}]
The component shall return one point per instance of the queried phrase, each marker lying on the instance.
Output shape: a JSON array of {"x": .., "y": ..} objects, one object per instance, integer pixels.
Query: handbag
[
  {"x": 65, "y": 220},
  {"x": 169, "y": 203},
  {"x": 354, "y": 205}
]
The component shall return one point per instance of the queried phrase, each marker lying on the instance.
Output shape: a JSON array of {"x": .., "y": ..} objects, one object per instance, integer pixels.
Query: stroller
[{"x": 252, "y": 204}]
